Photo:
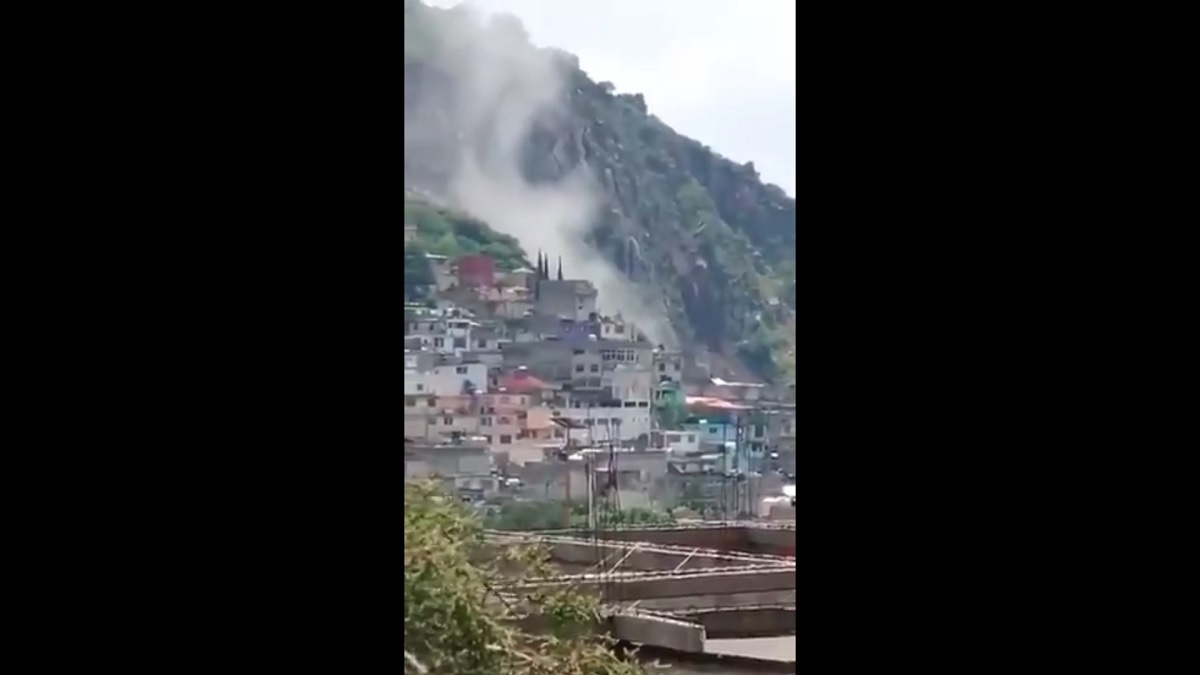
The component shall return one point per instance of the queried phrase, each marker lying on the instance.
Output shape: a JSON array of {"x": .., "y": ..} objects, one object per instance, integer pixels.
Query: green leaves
[
  {"x": 456, "y": 622},
  {"x": 452, "y": 234}
]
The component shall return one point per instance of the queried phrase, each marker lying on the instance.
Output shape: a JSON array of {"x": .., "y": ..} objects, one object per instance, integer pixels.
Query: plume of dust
[{"x": 502, "y": 87}]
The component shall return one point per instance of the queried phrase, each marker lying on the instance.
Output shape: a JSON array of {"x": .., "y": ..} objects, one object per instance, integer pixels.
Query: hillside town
[{"x": 517, "y": 388}]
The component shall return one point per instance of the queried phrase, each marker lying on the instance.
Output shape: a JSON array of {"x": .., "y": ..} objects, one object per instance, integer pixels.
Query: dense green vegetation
[
  {"x": 446, "y": 232},
  {"x": 443, "y": 231},
  {"x": 548, "y": 515},
  {"x": 699, "y": 231},
  {"x": 456, "y": 624}
]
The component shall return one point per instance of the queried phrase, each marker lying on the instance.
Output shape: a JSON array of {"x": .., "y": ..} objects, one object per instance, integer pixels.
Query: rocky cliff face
[{"x": 669, "y": 231}]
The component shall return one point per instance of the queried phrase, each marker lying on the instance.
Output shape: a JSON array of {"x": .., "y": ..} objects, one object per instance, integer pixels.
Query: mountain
[{"x": 672, "y": 233}]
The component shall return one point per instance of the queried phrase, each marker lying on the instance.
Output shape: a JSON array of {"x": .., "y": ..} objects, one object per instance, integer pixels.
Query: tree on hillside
[
  {"x": 457, "y": 623},
  {"x": 418, "y": 273}
]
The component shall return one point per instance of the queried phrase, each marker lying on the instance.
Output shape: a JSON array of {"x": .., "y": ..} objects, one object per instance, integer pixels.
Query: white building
[
  {"x": 446, "y": 336},
  {"x": 617, "y": 328},
  {"x": 447, "y": 380},
  {"x": 680, "y": 442},
  {"x": 668, "y": 364},
  {"x": 603, "y": 424},
  {"x": 630, "y": 383}
]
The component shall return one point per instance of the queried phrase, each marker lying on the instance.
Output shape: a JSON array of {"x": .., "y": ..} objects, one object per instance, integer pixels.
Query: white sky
[{"x": 723, "y": 73}]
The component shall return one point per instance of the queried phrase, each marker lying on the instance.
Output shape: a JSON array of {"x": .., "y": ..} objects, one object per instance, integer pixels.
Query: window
[
  {"x": 505, "y": 420},
  {"x": 673, "y": 438},
  {"x": 558, "y": 433},
  {"x": 481, "y": 344},
  {"x": 713, "y": 430},
  {"x": 616, "y": 421},
  {"x": 643, "y": 404},
  {"x": 429, "y": 401},
  {"x": 620, "y": 329},
  {"x": 420, "y": 387},
  {"x": 461, "y": 370},
  {"x": 439, "y": 342},
  {"x": 595, "y": 368},
  {"x": 505, "y": 439},
  {"x": 485, "y": 421},
  {"x": 691, "y": 438},
  {"x": 447, "y": 421},
  {"x": 629, "y": 404},
  {"x": 579, "y": 367},
  {"x": 488, "y": 438},
  {"x": 662, "y": 367},
  {"x": 460, "y": 343},
  {"x": 410, "y": 401},
  {"x": 504, "y": 399}
]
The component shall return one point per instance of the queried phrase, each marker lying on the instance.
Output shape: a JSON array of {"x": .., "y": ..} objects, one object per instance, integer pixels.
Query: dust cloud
[{"x": 502, "y": 87}]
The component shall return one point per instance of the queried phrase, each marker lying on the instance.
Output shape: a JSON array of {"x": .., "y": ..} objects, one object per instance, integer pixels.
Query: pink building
[{"x": 476, "y": 270}]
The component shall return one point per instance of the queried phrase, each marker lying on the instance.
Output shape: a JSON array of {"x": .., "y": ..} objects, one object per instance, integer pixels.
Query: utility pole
[
  {"x": 566, "y": 510},
  {"x": 566, "y": 460},
  {"x": 589, "y": 471}
]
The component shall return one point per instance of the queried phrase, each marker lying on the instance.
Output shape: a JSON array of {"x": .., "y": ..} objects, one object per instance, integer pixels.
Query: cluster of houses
[{"x": 516, "y": 387}]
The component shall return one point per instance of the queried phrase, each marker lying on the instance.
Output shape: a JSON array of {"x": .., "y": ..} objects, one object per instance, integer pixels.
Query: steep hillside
[
  {"x": 443, "y": 231},
  {"x": 706, "y": 242}
]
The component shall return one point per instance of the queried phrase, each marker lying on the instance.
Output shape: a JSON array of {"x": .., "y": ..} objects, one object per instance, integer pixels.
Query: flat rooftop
[{"x": 781, "y": 648}]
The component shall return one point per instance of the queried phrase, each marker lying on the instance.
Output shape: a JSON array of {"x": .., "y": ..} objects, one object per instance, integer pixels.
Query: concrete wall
[
  {"x": 761, "y": 540},
  {"x": 416, "y": 426},
  {"x": 682, "y": 636},
  {"x": 773, "y": 541},
  {"x": 690, "y": 663},
  {"x": 586, "y": 554},
  {"x": 696, "y": 603},
  {"x": 730, "y": 538},
  {"x": 722, "y": 624},
  {"x": 672, "y": 634},
  {"x": 446, "y": 461},
  {"x": 624, "y": 588}
]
